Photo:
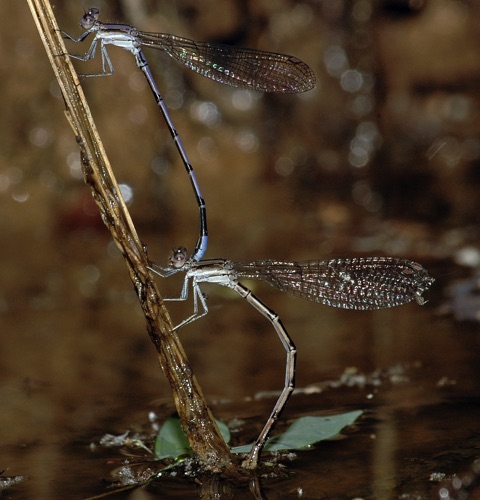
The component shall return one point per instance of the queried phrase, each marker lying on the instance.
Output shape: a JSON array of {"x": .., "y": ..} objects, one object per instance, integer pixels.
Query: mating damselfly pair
[{"x": 365, "y": 283}]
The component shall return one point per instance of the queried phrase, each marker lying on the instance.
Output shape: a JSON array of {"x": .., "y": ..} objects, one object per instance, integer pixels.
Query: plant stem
[{"x": 197, "y": 420}]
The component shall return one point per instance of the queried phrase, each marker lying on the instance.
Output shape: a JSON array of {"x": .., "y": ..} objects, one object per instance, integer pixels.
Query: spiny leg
[
  {"x": 198, "y": 296},
  {"x": 107, "y": 66}
]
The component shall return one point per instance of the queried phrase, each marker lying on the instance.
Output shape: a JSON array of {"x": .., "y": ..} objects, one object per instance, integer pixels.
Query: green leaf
[
  {"x": 224, "y": 430},
  {"x": 172, "y": 442},
  {"x": 305, "y": 432}
]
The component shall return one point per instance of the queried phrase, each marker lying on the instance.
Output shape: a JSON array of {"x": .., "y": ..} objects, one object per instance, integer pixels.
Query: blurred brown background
[{"x": 381, "y": 158}]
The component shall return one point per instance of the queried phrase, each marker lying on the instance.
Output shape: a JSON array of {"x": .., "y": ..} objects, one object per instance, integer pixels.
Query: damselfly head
[
  {"x": 89, "y": 18},
  {"x": 178, "y": 258}
]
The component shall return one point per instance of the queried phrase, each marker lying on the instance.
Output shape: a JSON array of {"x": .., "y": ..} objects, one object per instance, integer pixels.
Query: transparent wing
[
  {"x": 244, "y": 68},
  {"x": 357, "y": 283}
]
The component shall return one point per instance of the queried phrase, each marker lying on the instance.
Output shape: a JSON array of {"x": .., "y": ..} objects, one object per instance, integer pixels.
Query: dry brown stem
[{"x": 196, "y": 418}]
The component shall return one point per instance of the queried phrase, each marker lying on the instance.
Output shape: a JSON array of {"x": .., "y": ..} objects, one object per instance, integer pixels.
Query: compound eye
[
  {"x": 88, "y": 20},
  {"x": 178, "y": 257}
]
